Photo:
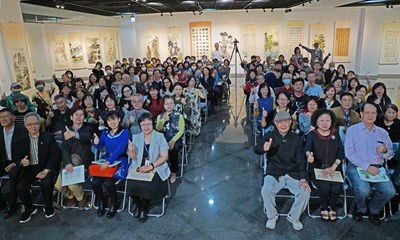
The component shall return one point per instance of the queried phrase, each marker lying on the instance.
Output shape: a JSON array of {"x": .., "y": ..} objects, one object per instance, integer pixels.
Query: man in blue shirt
[
  {"x": 366, "y": 147},
  {"x": 312, "y": 89}
]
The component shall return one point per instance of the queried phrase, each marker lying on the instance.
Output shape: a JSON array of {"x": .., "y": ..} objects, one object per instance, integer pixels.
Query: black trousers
[
  {"x": 174, "y": 156},
  {"x": 26, "y": 178},
  {"x": 109, "y": 185},
  {"x": 329, "y": 193},
  {"x": 13, "y": 175}
]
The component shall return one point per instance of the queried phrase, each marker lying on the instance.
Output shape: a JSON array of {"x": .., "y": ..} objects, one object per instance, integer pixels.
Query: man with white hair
[{"x": 38, "y": 157}]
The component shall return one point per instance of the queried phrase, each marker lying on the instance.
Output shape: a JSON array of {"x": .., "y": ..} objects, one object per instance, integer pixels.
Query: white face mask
[
  {"x": 332, "y": 69},
  {"x": 143, "y": 69}
]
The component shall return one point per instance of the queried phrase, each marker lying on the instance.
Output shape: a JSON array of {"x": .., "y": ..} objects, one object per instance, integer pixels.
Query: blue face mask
[{"x": 286, "y": 81}]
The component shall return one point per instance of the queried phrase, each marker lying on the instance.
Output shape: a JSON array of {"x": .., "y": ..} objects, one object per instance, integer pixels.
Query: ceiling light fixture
[
  {"x": 194, "y": 12},
  {"x": 263, "y": 9},
  {"x": 59, "y": 4},
  {"x": 288, "y": 10},
  {"x": 247, "y": 10},
  {"x": 272, "y": 10},
  {"x": 162, "y": 14},
  {"x": 309, "y": 2},
  {"x": 171, "y": 14}
]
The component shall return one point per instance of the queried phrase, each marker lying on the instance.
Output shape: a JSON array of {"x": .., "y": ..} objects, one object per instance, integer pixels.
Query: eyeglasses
[
  {"x": 5, "y": 117},
  {"x": 283, "y": 99},
  {"x": 32, "y": 124}
]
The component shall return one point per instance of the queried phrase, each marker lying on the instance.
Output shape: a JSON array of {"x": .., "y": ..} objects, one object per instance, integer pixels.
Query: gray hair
[
  {"x": 31, "y": 114},
  {"x": 138, "y": 95}
]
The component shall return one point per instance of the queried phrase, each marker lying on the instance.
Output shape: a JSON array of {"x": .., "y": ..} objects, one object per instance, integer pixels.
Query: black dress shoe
[
  {"x": 143, "y": 216},
  {"x": 9, "y": 212},
  {"x": 113, "y": 210},
  {"x": 101, "y": 210},
  {"x": 375, "y": 219},
  {"x": 357, "y": 215}
]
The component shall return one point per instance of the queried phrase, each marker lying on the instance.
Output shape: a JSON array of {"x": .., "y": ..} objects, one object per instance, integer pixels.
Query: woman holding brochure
[
  {"x": 149, "y": 153},
  {"x": 115, "y": 141},
  {"x": 324, "y": 151}
]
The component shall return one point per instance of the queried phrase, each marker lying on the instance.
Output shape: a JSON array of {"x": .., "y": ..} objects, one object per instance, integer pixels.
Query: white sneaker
[
  {"x": 296, "y": 225},
  {"x": 271, "y": 223}
]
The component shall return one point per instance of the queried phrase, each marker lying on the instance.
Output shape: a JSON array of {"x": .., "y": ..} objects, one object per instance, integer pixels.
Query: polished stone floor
[{"x": 217, "y": 198}]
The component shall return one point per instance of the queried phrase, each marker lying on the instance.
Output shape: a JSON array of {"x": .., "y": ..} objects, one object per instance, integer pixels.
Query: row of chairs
[{"x": 347, "y": 210}]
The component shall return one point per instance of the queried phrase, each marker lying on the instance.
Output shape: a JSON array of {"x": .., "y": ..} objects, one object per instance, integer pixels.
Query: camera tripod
[{"x": 236, "y": 52}]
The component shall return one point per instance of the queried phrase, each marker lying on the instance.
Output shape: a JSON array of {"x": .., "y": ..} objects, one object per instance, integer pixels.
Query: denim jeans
[{"x": 382, "y": 193}]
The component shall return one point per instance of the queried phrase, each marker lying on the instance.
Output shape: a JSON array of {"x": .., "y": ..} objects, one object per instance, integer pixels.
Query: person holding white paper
[
  {"x": 324, "y": 150},
  {"x": 366, "y": 147},
  {"x": 75, "y": 151},
  {"x": 149, "y": 152}
]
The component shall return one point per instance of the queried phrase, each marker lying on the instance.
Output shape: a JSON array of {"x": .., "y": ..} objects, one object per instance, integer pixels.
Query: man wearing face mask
[
  {"x": 8, "y": 101},
  {"x": 330, "y": 73},
  {"x": 287, "y": 86}
]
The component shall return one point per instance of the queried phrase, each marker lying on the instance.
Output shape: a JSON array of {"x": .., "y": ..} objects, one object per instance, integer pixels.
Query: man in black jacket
[
  {"x": 8, "y": 135},
  {"x": 38, "y": 157},
  {"x": 75, "y": 151},
  {"x": 286, "y": 167}
]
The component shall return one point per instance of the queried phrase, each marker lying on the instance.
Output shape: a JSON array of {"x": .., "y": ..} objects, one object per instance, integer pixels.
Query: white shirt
[
  {"x": 217, "y": 54},
  {"x": 7, "y": 140}
]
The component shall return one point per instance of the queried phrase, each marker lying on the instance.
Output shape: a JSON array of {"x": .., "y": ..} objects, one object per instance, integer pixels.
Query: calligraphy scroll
[
  {"x": 200, "y": 38},
  {"x": 295, "y": 35},
  {"x": 248, "y": 38},
  {"x": 390, "y": 44},
  {"x": 341, "y": 46}
]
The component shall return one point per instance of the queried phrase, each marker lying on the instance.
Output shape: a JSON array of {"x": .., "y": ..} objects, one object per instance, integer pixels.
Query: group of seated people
[
  {"x": 315, "y": 118},
  {"x": 134, "y": 113}
]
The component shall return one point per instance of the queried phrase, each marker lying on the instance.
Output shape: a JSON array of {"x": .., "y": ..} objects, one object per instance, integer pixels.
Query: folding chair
[
  {"x": 90, "y": 201},
  {"x": 314, "y": 187},
  {"x": 352, "y": 205},
  {"x": 183, "y": 154},
  {"x": 5, "y": 177},
  {"x": 123, "y": 192},
  {"x": 285, "y": 188},
  {"x": 98, "y": 155},
  {"x": 390, "y": 172},
  {"x": 203, "y": 109},
  {"x": 163, "y": 205}
]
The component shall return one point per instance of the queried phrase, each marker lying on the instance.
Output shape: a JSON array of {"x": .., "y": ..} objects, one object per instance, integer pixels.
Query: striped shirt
[{"x": 34, "y": 158}]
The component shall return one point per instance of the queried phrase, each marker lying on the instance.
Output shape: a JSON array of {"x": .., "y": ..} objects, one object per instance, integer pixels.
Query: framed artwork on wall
[
  {"x": 175, "y": 42},
  {"x": 200, "y": 39}
]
